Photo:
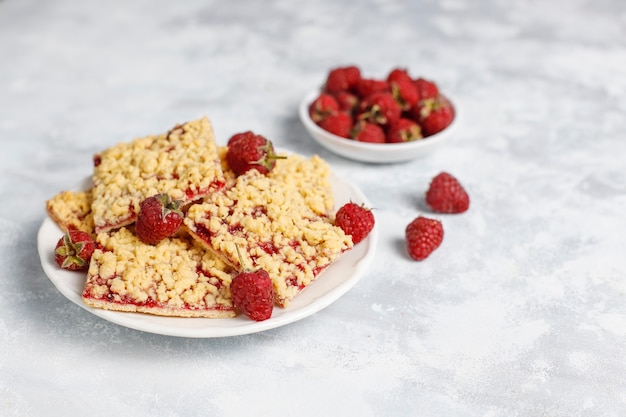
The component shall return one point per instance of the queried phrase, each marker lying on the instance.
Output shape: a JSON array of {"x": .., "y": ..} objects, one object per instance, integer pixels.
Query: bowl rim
[{"x": 386, "y": 148}]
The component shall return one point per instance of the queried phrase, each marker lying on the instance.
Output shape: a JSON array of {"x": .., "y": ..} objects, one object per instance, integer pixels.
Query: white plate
[
  {"x": 381, "y": 153},
  {"x": 338, "y": 279}
]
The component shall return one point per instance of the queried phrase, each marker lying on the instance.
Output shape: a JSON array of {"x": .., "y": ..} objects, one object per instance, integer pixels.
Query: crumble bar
[
  {"x": 174, "y": 278},
  {"x": 183, "y": 163},
  {"x": 72, "y": 210},
  {"x": 273, "y": 227}
]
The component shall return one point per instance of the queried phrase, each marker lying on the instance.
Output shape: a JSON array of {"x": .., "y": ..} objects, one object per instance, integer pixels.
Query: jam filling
[
  {"x": 203, "y": 233},
  {"x": 123, "y": 221},
  {"x": 259, "y": 211},
  {"x": 268, "y": 247},
  {"x": 235, "y": 229},
  {"x": 216, "y": 185}
]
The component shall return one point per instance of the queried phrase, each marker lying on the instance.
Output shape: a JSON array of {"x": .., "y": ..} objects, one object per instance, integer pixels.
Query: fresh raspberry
[
  {"x": 426, "y": 89},
  {"x": 368, "y": 86},
  {"x": 398, "y": 74},
  {"x": 348, "y": 102},
  {"x": 355, "y": 220},
  {"x": 324, "y": 105},
  {"x": 73, "y": 251},
  {"x": 403, "y": 88},
  {"x": 251, "y": 151},
  {"x": 435, "y": 115},
  {"x": 365, "y": 131},
  {"x": 342, "y": 79},
  {"x": 446, "y": 195},
  {"x": 240, "y": 136},
  {"x": 405, "y": 93},
  {"x": 404, "y": 130},
  {"x": 423, "y": 236},
  {"x": 380, "y": 108},
  {"x": 159, "y": 218},
  {"x": 339, "y": 124},
  {"x": 336, "y": 81},
  {"x": 353, "y": 75},
  {"x": 252, "y": 293}
]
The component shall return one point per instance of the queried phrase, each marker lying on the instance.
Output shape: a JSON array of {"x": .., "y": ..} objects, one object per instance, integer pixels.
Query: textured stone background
[{"x": 520, "y": 312}]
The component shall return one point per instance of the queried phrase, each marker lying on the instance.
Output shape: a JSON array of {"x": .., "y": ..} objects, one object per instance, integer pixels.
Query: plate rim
[{"x": 240, "y": 325}]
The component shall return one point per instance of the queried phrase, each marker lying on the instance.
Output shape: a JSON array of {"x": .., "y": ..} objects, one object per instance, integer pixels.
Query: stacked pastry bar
[{"x": 281, "y": 222}]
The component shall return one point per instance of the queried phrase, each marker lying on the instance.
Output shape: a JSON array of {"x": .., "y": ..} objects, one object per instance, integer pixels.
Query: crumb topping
[{"x": 310, "y": 176}]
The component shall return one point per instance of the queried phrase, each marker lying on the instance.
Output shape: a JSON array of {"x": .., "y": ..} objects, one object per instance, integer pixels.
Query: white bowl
[{"x": 382, "y": 153}]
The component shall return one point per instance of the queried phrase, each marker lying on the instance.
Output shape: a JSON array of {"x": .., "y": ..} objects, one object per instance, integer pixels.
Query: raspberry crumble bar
[
  {"x": 174, "y": 278},
  {"x": 273, "y": 227},
  {"x": 183, "y": 163},
  {"x": 72, "y": 210}
]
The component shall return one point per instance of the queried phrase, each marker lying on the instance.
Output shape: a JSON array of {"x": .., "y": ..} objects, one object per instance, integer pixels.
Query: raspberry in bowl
[{"x": 378, "y": 120}]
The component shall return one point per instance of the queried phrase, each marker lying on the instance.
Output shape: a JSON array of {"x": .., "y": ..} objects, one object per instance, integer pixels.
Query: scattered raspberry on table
[
  {"x": 423, "y": 236},
  {"x": 446, "y": 194}
]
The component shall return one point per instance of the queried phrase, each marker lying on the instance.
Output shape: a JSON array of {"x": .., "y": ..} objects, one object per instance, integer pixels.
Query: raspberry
[
  {"x": 159, "y": 218},
  {"x": 339, "y": 124},
  {"x": 405, "y": 130},
  {"x": 368, "y": 132},
  {"x": 403, "y": 88},
  {"x": 435, "y": 115},
  {"x": 240, "y": 136},
  {"x": 348, "y": 102},
  {"x": 252, "y": 293},
  {"x": 248, "y": 151},
  {"x": 423, "y": 236},
  {"x": 353, "y": 75},
  {"x": 368, "y": 86},
  {"x": 398, "y": 74},
  {"x": 446, "y": 195},
  {"x": 342, "y": 79},
  {"x": 426, "y": 89},
  {"x": 355, "y": 220},
  {"x": 380, "y": 108},
  {"x": 405, "y": 93},
  {"x": 73, "y": 251},
  {"x": 324, "y": 105}
]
